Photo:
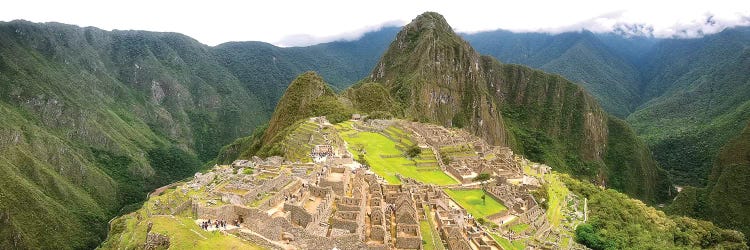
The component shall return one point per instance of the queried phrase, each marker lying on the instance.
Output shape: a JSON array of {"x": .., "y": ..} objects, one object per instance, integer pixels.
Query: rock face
[
  {"x": 437, "y": 77},
  {"x": 156, "y": 241},
  {"x": 432, "y": 75}
]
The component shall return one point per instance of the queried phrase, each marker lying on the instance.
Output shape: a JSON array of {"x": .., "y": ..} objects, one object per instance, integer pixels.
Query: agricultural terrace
[
  {"x": 507, "y": 244},
  {"x": 298, "y": 143},
  {"x": 556, "y": 193},
  {"x": 458, "y": 151},
  {"x": 386, "y": 157},
  {"x": 471, "y": 200}
]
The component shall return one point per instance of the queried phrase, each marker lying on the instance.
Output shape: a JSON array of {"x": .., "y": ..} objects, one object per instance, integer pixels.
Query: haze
[{"x": 299, "y": 23}]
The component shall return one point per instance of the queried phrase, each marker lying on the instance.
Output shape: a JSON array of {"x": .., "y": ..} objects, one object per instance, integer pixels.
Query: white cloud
[{"x": 288, "y": 22}]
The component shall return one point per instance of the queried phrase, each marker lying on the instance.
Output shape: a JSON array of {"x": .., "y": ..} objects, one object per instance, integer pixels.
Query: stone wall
[
  {"x": 260, "y": 241},
  {"x": 409, "y": 242},
  {"x": 176, "y": 210},
  {"x": 298, "y": 215},
  {"x": 377, "y": 233},
  {"x": 349, "y": 225}
]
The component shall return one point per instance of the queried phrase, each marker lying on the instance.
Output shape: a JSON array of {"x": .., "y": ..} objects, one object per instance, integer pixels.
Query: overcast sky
[{"x": 296, "y": 23}]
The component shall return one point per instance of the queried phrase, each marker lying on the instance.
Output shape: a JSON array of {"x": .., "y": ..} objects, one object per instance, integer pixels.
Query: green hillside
[
  {"x": 619, "y": 222},
  {"x": 93, "y": 119}
]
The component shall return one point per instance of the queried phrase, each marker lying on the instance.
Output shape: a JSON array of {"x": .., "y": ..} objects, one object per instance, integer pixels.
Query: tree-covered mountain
[
  {"x": 93, "y": 119},
  {"x": 267, "y": 69},
  {"x": 699, "y": 98},
  {"x": 724, "y": 200},
  {"x": 685, "y": 97}
]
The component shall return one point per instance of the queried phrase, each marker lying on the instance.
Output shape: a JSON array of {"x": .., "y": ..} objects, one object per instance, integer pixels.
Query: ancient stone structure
[{"x": 334, "y": 204}]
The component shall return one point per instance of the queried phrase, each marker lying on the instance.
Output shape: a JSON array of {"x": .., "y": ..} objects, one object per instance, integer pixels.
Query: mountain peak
[{"x": 429, "y": 21}]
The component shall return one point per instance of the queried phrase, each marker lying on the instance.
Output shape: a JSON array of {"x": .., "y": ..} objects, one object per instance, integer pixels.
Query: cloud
[
  {"x": 304, "y": 22},
  {"x": 298, "y": 40}
]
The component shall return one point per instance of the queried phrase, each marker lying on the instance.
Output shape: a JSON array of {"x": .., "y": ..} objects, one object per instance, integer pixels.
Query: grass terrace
[
  {"x": 556, "y": 193},
  {"x": 183, "y": 234},
  {"x": 458, "y": 151},
  {"x": 297, "y": 144},
  {"x": 471, "y": 200},
  {"x": 386, "y": 160}
]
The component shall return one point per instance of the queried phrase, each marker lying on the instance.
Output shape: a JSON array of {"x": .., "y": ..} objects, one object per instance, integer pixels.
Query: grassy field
[
  {"x": 376, "y": 146},
  {"x": 471, "y": 200}
]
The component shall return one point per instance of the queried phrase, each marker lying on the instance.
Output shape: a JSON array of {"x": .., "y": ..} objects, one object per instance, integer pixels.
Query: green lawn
[
  {"x": 471, "y": 200},
  {"x": 377, "y": 145},
  {"x": 517, "y": 228}
]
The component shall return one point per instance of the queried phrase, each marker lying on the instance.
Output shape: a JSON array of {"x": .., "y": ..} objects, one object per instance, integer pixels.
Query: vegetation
[
  {"x": 724, "y": 200},
  {"x": 685, "y": 97},
  {"x": 385, "y": 159},
  {"x": 413, "y": 151},
  {"x": 483, "y": 177},
  {"x": 617, "y": 222},
  {"x": 471, "y": 200}
]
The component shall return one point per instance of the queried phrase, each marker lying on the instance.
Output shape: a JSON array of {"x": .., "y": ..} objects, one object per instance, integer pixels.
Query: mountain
[
  {"x": 267, "y": 69},
  {"x": 586, "y": 58},
  {"x": 94, "y": 119},
  {"x": 435, "y": 76},
  {"x": 685, "y": 97},
  {"x": 701, "y": 99},
  {"x": 429, "y": 74}
]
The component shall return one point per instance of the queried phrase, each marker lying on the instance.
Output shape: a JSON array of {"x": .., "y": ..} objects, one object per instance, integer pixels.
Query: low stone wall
[
  {"x": 260, "y": 241},
  {"x": 188, "y": 203},
  {"x": 156, "y": 241}
]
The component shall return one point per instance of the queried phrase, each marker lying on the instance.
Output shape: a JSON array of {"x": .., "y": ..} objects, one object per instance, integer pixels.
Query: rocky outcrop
[{"x": 156, "y": 241}]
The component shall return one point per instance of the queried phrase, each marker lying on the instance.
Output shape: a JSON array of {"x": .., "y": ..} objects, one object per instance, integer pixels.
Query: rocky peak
[{"x": 437, "y": 77}]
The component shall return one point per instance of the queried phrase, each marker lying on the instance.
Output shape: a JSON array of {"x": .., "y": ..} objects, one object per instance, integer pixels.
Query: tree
[
  {"x": 413, "y": 151},
  {"x": 446, "y": 159},
  {"x": 483, "y": 178}
]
